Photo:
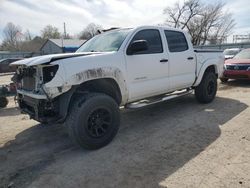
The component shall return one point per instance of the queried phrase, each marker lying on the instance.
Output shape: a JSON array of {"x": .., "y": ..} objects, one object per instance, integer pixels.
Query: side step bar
[{"x": 154, "y": 100}]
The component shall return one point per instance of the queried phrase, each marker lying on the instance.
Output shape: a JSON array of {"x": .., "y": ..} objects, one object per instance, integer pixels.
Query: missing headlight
[{"x": 49, "y": 72}]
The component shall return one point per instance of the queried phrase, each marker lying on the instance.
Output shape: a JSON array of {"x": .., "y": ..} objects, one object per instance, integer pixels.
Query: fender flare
[
  {"x": 88, "y": 75},
  {"x": 203, "y": 69}
]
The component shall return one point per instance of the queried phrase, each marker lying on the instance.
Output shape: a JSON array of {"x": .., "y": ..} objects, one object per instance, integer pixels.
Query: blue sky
[{"x": 35, "y": 14}]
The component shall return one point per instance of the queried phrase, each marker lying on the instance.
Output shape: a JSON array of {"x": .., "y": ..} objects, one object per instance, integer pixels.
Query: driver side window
[{"x": 153, "y": 38}]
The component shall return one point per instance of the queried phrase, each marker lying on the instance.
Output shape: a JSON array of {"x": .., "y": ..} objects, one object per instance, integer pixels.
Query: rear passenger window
[
  {"x": 176, "y": 41},
  {"x": 153, "y": 37}
]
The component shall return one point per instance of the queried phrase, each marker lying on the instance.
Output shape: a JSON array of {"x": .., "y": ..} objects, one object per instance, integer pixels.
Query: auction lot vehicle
[
  {"x": 238, "y": 67},
  {"x": 5, "y": 91},
  {"x": 4, "y": 65},
  {"x": 231, "y": 52},
  {"x": 124, "y": 67},
  {"x": 3, "y": 97}
]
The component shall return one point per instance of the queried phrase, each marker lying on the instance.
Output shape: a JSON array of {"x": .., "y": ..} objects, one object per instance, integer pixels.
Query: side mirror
[{"x": 137, "y": 46}]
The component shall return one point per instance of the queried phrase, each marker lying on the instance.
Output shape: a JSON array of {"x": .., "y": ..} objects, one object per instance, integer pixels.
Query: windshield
[
  {"x": 244, "y": 54},
  {"x": 106, "y": 42},
  {"x": 231, "y": 52}
]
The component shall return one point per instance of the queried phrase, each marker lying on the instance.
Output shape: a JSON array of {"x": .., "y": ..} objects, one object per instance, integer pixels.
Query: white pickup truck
[{"x": 124, "y": 67}]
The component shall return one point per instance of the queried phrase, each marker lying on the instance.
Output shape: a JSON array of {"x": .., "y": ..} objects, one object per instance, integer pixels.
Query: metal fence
[{"x": 225, "y": 46}]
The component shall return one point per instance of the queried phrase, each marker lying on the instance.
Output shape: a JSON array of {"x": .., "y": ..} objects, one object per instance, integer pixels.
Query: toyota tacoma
[{"x": 130, "y": 68}]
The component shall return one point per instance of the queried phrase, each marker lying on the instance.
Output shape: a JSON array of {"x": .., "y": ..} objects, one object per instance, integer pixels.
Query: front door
[{"x": 147, "y": 70}]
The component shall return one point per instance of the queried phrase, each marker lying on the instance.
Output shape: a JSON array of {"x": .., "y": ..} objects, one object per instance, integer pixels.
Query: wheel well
[
  {"x": 212, "y": 68},
  {"x": 104, "y": 85}
]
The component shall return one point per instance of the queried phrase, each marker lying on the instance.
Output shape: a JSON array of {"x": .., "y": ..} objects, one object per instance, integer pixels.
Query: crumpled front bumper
[
  {"x": 38, "y": 107},
  {"x": 31, "y": 94}
]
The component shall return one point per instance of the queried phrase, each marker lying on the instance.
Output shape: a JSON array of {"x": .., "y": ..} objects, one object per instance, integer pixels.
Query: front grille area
[
  {"x": 237, "y": 67},
  {"x": 25, "y": 78},
  {"x": 28, "y": 83}
]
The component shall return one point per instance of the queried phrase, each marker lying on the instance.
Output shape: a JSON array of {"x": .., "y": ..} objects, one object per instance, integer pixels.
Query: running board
[{"x": 154, "y": 100}]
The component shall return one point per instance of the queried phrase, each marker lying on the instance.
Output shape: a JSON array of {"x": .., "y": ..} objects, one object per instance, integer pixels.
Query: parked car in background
[
  {"x": 230, "y": 53},
  {"x": 238, "y": 67},
  {"x": 4, "y": 65}
]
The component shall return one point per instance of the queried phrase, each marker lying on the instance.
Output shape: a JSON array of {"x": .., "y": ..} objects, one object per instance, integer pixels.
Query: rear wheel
[
  {"x": 205, "y": 92},
  {"x": 3, "y": 102},
  {"x": 93, "y": 121}
]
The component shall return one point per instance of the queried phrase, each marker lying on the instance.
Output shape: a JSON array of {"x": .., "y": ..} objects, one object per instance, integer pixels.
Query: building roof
[{"x": 67, "y": 42}]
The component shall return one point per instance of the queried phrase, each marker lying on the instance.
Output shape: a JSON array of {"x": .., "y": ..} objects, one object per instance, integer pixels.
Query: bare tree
[
  {"x": 181, "y": 13},
  {"x": 50, "y": 32},
  {"x": 223, "y": 27},
  {"x": 204, "y": 22},
  {"x": 12, "y": 37},
  {"x": 90, "y": 30},
  {"x": 27, "y": 35},
  {"x": 33, "y": 45}
]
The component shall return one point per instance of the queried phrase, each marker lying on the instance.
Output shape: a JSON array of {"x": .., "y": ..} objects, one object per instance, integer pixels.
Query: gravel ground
[{"x": 179, "y": 143}]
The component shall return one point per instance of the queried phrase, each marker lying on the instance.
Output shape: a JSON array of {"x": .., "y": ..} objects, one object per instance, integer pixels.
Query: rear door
[
  {"x": 147, "y": 70},
  {"x": 181, "y": 60}
]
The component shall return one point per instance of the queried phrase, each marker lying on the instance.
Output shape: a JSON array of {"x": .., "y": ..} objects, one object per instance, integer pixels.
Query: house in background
[
  {"x": 27, "y": 49},
  {"x": 55, "y": 46}
]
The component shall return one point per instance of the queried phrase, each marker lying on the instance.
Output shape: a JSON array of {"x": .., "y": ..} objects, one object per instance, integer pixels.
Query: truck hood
[
  {"x": 53, "y": 57},
  {"x": 229, "y": 56},
  {"x": 237, "y": 61}
]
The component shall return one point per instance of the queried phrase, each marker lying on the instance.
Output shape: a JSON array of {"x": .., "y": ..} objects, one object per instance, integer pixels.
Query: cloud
[
  {"x": 35, "y": 15},
  {"x": 240, "y": 10}
]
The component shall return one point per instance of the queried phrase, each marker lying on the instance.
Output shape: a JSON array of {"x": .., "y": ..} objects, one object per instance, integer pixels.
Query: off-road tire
[
  {"x": 44, "y": 124},
  {"x": 82, "y": 126},
  {"x": 223, "y": 80},
  {"x": 206, "y": 91},
  {"x": 3, "y": 102}
]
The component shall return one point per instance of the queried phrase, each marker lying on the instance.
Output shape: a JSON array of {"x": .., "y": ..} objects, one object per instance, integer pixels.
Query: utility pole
[
  {"x": 64, "y": 36},
  {"x": 64, "y": 28}
]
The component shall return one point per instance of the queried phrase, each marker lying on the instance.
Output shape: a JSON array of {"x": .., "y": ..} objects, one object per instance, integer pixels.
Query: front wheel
[
  {"x": 93, "y": 121},
  {"x": 205, "y": 92}
]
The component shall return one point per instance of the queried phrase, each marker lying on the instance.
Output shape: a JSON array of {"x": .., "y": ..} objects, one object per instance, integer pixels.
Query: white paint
[{"x": 138, "y": 76}]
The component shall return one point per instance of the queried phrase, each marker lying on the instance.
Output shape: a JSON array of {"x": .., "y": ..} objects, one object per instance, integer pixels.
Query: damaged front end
[{"x": 32, "y": 96}]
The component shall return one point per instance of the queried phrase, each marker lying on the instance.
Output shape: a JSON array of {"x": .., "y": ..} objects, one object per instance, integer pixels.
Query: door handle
[
  {"x": 190, "y": 58},
  {"x": 163, "y": 60}
]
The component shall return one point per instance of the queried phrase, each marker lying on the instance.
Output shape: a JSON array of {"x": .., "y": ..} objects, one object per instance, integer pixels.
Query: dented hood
[{"x": 49, "y": 58}]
